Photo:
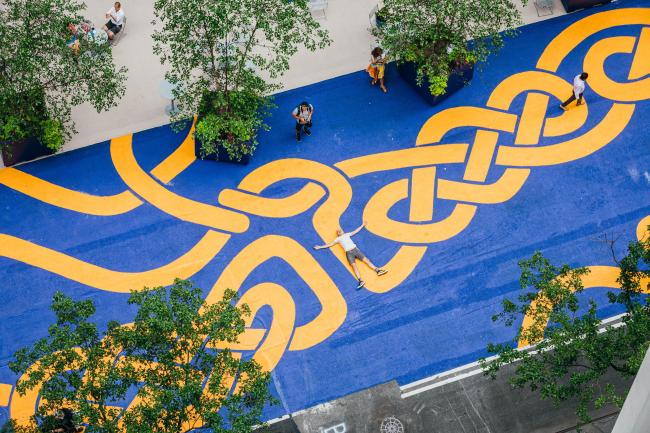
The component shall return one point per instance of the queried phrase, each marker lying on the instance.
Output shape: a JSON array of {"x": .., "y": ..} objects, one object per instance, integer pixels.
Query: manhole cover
[{"x": 391, "y": 425}]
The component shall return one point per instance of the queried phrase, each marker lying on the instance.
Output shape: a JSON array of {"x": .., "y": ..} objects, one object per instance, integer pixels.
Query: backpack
[{"x": 298, "y": 109}]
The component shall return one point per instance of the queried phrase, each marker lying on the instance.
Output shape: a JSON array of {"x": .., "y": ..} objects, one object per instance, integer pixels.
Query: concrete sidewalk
[
  {"x": 143, "y": 107},
  {"x": 472, "y": 404}
]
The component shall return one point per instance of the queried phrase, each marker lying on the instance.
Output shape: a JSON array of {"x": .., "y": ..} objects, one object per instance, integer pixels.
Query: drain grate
[{"x": 391, "y": 425}]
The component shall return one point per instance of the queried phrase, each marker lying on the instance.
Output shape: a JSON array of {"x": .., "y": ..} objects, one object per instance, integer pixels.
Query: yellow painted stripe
[
  {"x": 179, "y": 160},
  {"x": 333, "y": 305},
  {"x": 442, "y": 122},
  {"x": 480, "y": 158},
  {"x": 173, "y": 204},
  {"x": 423, "y": 182},
  {"x": 641, "y": 62},
  {"x": 405, "y": 158},
  {"x": 598, "y": 276},
  {"x": 114, "y": 281},
  {"x": 327, "y": 215},
  {"x": 376, "y": 213},
  {"x": 66, "y": 198},
  {"x": 285, "y": 207},
  {"x": 605, "y": 86},
  {"x": 532, "y": 119},
  {"x": 284, "y": 318},
  {"x": 599, "y": 136},
  {"x": 559, "y": 48},
  {"x": 81, "y": 202},
  {"x": 642, "y": 231},
  {"x": 498, "y": 192},
  {"x": 5, "y": 394}
]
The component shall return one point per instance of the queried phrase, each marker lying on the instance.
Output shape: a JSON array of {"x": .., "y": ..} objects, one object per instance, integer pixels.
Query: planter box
[
  {"x": 574, "y": 5},
  {"x": 457, "y": 80},
  {"x": 23, "y": 150},
  {"x": 221, "y": 155}
]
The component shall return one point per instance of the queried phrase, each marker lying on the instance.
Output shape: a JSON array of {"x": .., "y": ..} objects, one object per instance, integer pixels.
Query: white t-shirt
[
  {"x": 117, "y": 18},
  {"x": 346, "y": 242},
  {"x": 304, "y": 114},
  {"x": 578, "y": 86}
]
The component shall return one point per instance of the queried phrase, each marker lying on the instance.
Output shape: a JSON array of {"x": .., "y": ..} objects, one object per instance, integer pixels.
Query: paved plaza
[{"x": 454, "y": 196}]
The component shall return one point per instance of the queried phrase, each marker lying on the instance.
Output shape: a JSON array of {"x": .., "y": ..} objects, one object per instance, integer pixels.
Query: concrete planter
[
  {"x": 206, "y": 107},
  {"x": 574, "y": 5},
  {"x": 379, "y": 19},
  {"x": 23, "y": 150},
  {"x": 457, "y": 80},
  {"x": 220, "y": 155}
]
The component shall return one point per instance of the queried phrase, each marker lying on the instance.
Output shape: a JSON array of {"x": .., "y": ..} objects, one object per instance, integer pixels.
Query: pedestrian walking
[
  {"x": 352, "y": 253},
  {"x": 578, "y": 90},
  {"x": 303, "y": 114}
]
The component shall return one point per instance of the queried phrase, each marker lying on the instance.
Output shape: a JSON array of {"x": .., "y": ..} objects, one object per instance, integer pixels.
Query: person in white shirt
[
  {"x": 115, "y": 17},
  {"x": 578, "y": 90},
  {"x": 352, "y": 252}
]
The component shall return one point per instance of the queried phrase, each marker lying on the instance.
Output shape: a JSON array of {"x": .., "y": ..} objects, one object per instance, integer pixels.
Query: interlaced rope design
[{"x": 483, "y": 159}]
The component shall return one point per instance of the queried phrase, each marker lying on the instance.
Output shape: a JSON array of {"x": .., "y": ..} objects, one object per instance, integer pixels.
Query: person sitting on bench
[{"x": 115, "y": 17}]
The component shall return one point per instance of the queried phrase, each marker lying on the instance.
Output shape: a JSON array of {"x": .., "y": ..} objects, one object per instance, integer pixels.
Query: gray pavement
[{"x": 467, "y": 404}]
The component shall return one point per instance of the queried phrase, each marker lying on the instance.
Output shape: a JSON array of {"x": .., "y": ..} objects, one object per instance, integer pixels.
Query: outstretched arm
[
  {"x": 320, "y": 247},
  {"x": 358, "y": 229}
]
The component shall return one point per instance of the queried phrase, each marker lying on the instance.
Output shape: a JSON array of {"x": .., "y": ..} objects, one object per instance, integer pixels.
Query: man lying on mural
[{"x": 352, "y": 252}]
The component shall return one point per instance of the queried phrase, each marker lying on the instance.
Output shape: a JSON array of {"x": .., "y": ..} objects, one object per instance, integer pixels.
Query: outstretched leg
[
  {"x": 379, "y": 271},
  {"x": 567, "y": 102},
  {"x": 356, "y": 271},
  {"x": 361, "y": 283}
]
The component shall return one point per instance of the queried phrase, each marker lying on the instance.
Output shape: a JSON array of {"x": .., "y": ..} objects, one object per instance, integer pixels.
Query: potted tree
[
  {"x": 574, "y": 5},
  {"x": 437, "y": 43},
  {"x": 42, "y": 76},
  {"x": 223, "y": 56},
  {"x": 380, "y": 16}
]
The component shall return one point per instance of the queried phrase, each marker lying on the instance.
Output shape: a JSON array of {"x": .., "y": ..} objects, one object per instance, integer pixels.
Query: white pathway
[{"x": 143, "y": 107}]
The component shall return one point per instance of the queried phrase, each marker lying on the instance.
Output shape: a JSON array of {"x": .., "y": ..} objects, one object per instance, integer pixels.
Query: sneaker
[
  {"x": 298, "y": 138},
  {"x": 381, "y": 271},
  {"x": 307, "y": 131},
  {"x": 360, "y": 285},
  {"x": 563, "y": 107}
]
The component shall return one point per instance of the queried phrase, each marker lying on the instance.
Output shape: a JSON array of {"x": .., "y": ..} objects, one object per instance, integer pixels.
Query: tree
[
  {"x": 572, "y": 354},
  {"x": 438, "y": 35},
  {"x": 169, "y": 354},
  {"x": 222, "y": 56},
  {"x": 41, "y": 78}
]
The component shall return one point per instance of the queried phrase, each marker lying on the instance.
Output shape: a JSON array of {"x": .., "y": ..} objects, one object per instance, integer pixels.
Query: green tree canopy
[
  {"x": 41, "y": 78},
  {"x": 172, "y": 357},
  {"x": 438, "y": 34},
  {"x": 573, "y": 349},
  {"x": 232, "y": 49}
]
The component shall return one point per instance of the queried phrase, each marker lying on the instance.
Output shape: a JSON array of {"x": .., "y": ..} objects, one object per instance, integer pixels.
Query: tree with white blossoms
[
  {"x": 223, "y": 57},
  {"x": 42, "y": 78},
  {"x": 438, "y": 35}
]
